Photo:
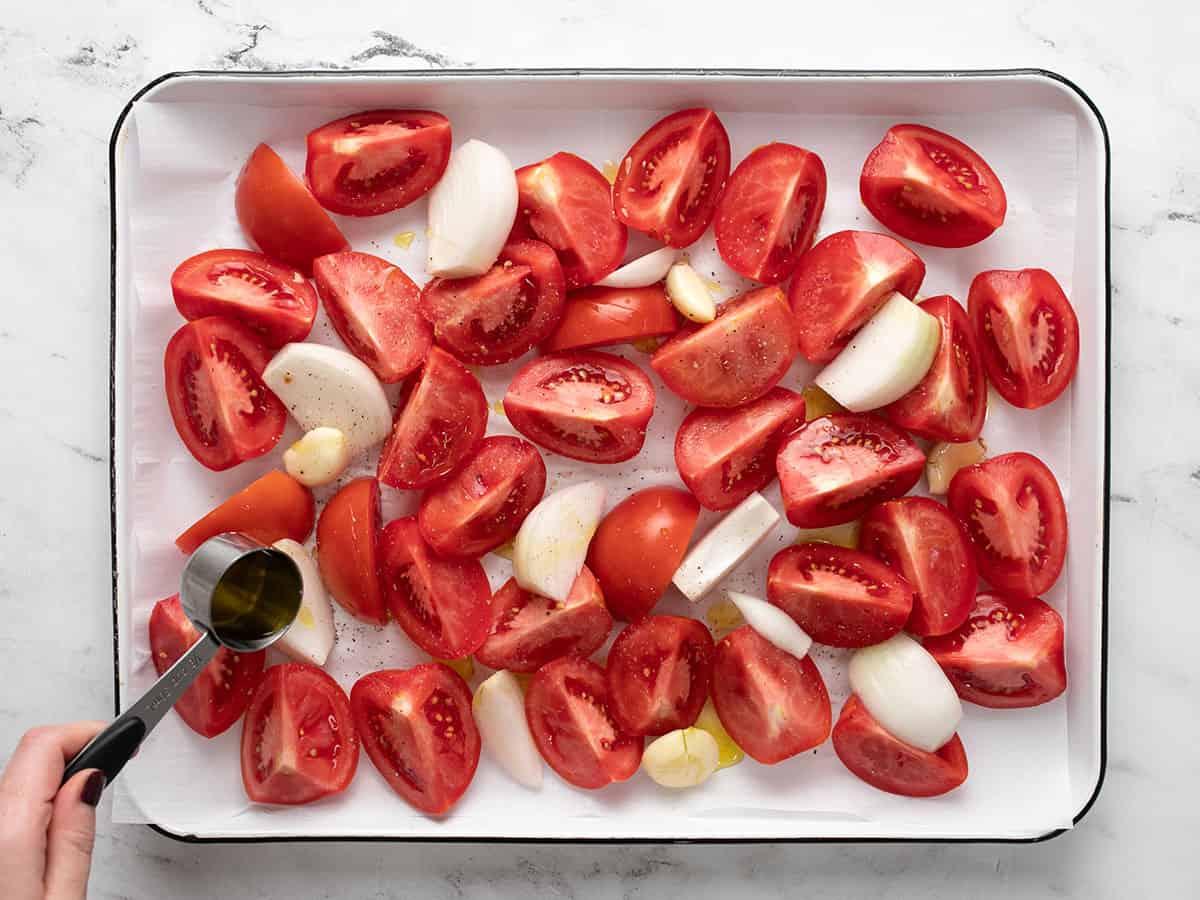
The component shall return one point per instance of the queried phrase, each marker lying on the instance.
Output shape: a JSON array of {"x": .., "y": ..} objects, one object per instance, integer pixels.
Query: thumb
[{"x": 71, "y": 836}]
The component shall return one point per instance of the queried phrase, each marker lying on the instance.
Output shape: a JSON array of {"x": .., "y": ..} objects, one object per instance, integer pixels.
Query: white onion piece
[
  {"x": 773, "y": 624},
  {"x": 886, "y": 359},
  {"x": 689, "y": 294},
  {"x": 499, "y": 711},
  {"x": 728, "y": 543},
  {"x": 643, "y": 271},
  {"x": 906, "y": 691},
  {"x": 310, "y": 636},
  {"x": 552, "y": 544},
  {"x": 471, "y": 211},
  {"x": 682, "y": 758},
  {"x": 319, "y": 457}
]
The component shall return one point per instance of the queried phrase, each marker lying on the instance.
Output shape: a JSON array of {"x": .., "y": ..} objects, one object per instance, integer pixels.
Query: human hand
[{"x": 46, "y": 834}]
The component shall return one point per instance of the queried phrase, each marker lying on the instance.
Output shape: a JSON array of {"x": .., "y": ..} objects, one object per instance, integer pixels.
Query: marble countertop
[{"x": 67, "y": 69}]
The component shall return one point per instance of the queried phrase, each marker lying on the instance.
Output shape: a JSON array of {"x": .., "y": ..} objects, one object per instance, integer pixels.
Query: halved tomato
[
  {"x": 1015, "y": 517},
  {"x": 841, "y": 282},
  {"x": 887, "y": 763},
  {"x": 921, "y": 540},
  {"x": 527, "y": 631},
  {"x": 442, "y": 604},
  {"x": 270, "y": 509},
  {"x": 375, "y": 161},
  {"x": 1008, "y": 654},
  {"x": 373, "y": 307},
  {"x": 669, "y": 182},
  {"x": 499, "y": 315},
  {"x": 566, "y": 202},
  {"x": 273, "y": 299},
  {"x": 841, "y": 597},
  {"x": 348, "y": 552},
  {"x": 725, "y": 455},
  {"x": 639, "y": 546},
  {"x": 950, "y": 402},
  {"x": 417, "y": 728},
  {"x": 658, "y": 672},
  {"x": 223, "y": 411},
  {"x": 484, "y": 503},
  {"x": 582, "y": 404},
  {"x": 280, "y": 216},
  {"x": 437, "y": 428},
  {"x": 222, "y": 691},
  {"x": 770, "y": 210},
  {"x": 298, "y": 740},
  {"x": 833, "y": 469},
  {"x": 772, "y": 704},
  {"x": 567, "y": 707},
  {"x": 932, "y": 188},
  {"x": 596, "y": 316},
  {"x": 735, "y": 358},
  {"x": 1028, "y": 334}
]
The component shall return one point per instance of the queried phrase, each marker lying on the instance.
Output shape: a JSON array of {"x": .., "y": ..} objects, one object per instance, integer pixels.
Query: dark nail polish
[{"x": 93, "y": 789}]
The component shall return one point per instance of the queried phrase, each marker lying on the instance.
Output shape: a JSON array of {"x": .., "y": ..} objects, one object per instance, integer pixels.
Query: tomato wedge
[
  {"x": 770, "y": 210},
  {"x": 484, "y": 503},
  {"x": 527, "y": 631},
  {"x": 725, "y": 455},
  {"x": 222, "y": 690},
  {"x": 1008, "y": 654},
  {"x": 773, "y": 705},
  {"x": 887, "y": 763},
  {"x": 443, "y": 605},
  {"x": 841, "y": 597},
  {"x": 503, "y": 313},
  {"x": 841, "y": 282},
  {"x": 566, "y": 202},
  {"x": 439, "y": 426},
  {"x": 931, "y": 188},
  {"x": 1028, "y": 334},
  {"x": 373, "y": 306},
  {"x": 950, "y": 402},
  {"x": 567, "y": 707},
  {"x": 596, "y": 316},
  {"x": 375, "y": 161},
  {"x": 737, "y": 357},
  {"x": 348, "y": 550},
  {"x": 221, "y": 408},
  {"x": 1014, "y": 514},
  {"x": 270, "y": 509},
  {"x": 921, "y": 540},
  {"x": 417, "y": 728},
  {"x": 280, "y": 216},
  {"x": 582, "y": 404},
  {"x": 298, "y": 740},
  {"x": 669, "y": 182},
  {"x": 274, "y": 300},
  {"x": 833, "y": 469}
]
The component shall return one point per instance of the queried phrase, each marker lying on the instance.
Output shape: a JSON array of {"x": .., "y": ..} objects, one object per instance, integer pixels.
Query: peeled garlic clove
[
  {"x": 318, "y": 458},
  {"x": 682, "y": 758},
  {"x": 689, "y": 294}
]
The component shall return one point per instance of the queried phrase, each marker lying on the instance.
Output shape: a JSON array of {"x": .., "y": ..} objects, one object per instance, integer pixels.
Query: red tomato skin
[
  {"x": 924, "y": 542},
  {"x": 638, "y": 547},
  {"x": 270, "y": 509},
  {"x": 953, "y": 200},
  {"x": 1008, "y": 654},
  {"x": 956, "y": 373},
  {"x": 768, "y": 249},
  {"x": 725, "y": 455},
  {"x": 272, "y": 299},
  {"x": 887, "y": 763},
  {"x": 1015, "y": 297},
  {"x": 348, "y": 550},
  {"x": 373, "y": 307},
  {"x": 236, "y": 675},
  {"x": 738, "y": 688},
  {"x": 843, "y": 281},
  {"x": 597, "y": 316},
  {"x": 642, "y": 704},
  {"x": 329, "y": 166},
  {"x": 280, "y": 216},
  {"x": 734, "y": 359}
]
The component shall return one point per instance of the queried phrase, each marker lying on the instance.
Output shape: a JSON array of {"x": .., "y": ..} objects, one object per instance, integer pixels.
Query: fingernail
[{"x": 93, "y": 788}]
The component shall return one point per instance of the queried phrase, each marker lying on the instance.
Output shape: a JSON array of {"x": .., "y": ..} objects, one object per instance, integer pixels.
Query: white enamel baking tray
[{"x": 174, "y": 152}]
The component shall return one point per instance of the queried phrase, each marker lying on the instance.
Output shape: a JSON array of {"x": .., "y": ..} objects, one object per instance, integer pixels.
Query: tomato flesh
[
  {"x": 270, "y": 509},
  {"x": 348, "y": 550},
  {"x": 596, "y": 316}
]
